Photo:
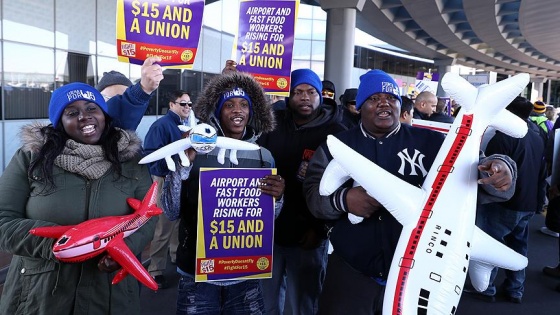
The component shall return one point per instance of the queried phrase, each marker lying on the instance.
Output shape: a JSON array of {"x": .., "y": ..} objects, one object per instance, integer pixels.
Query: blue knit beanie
[
  {"x": 69, "y": 93},
  {"x": 376, "y": 81},
  {"x": 236, "y": 92},
  {"x": 306, "y": 76}
]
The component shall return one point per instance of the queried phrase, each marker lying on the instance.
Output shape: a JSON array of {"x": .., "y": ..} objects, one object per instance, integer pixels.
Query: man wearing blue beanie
[
  {"x": 307, "y": 77},
  {"x": 363, "y": 253},
  {"x": 300, "y": 240}
]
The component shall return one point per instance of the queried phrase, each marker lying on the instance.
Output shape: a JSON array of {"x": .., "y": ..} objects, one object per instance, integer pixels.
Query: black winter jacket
[{"x": 292, "y": 147}]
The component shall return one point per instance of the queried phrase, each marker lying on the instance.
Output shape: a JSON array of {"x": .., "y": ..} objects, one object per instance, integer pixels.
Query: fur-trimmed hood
[
  {"x": 262, "y": 120},
  {"x": 33, "y": 140}
]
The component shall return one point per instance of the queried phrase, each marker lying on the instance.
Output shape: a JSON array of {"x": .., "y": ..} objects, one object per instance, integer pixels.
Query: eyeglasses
[
  {"x": 184, "y": 103},
  {"x": 352, "y": 102},
  {"x": 328, "y": 93}
]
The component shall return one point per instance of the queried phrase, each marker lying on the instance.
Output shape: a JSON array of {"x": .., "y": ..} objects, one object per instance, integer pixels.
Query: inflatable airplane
[
  {"x": 439, "y": 240},
  {"x": 90, "y": 238},
  {"x": 203, "y": 138},
  {"x": 432, "y": 125}
]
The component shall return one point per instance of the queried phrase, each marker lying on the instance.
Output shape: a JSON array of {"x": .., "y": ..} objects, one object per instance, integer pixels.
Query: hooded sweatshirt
[{"x": 292, "y": 147}]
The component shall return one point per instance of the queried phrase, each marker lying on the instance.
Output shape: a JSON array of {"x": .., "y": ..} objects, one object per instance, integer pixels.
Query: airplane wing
[
  {"x": 487, "y": 253},
  {"x": 168, "y": 150},
  {"x": 234, "y": 144},
  {"x": 397, "y": 196},
  {"x": 120, "y": 252},
  {"x": 334, "y": 176},
  {"x": 51, "y": 231}
]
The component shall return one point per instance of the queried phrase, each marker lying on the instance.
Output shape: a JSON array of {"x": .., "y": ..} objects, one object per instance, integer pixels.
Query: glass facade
[
  {"x": 61, "y": 41},
  {"x": 554, "y": 87},
  {"x": 46, "y": 44}
]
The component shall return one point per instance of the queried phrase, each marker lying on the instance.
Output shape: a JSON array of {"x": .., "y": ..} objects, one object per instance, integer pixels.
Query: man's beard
[{"x": 310, "y": 116}]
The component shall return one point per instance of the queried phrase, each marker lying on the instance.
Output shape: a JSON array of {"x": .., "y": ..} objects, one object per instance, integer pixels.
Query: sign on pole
[
  {"x": 168, "y": 29},
  {"x": 264, "y": 42}
]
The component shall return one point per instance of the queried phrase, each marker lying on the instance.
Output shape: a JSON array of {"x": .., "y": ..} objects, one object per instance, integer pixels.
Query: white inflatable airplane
[
  {"x": 203, "y": 138},
  {"x": 439, "y": 240}
]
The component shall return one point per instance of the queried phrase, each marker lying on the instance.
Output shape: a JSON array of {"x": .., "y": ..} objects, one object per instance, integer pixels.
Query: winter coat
[
  {"x": 161, "y": 133},
  {"x": 292, "y": 147},
  {"x": 369, "y": 246},
  {"x": 262, "y": 120},
  {"x": 37, "y": 283},
  {"x": 528, "y": 153},
  {"x": 128, "y": 109}
]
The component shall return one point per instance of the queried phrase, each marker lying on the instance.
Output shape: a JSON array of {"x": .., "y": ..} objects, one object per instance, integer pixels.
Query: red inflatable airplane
[{"x": 76, "y": 243}]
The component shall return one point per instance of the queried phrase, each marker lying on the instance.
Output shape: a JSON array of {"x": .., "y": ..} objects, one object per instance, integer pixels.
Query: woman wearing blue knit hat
[
  {"x": 359, "y": 265},
  {"x": 77, "y": 168}
]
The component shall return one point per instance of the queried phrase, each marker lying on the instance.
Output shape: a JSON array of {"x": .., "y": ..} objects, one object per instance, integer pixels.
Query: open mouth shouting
[
  {"x": 238, "y": 121},
  {"x": 384, "y": 114}
]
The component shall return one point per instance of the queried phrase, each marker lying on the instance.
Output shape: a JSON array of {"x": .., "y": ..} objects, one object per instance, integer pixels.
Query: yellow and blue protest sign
[
  {"x": 264, "y": 42},
  {"x": 235, "y": 225},
  {"x": 168, "y": 29}
]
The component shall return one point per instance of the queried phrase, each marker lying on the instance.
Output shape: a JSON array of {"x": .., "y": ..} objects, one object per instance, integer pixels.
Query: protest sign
[
  {"x": 235, "y": 225},
  {"x": 168, "y": 29},
  {"x": 427, "y": 81},
  {"x": 264, "y": 42}
]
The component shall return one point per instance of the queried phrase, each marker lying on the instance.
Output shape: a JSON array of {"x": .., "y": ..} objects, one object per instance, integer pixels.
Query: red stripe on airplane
[{"x": 407, "y": 260}]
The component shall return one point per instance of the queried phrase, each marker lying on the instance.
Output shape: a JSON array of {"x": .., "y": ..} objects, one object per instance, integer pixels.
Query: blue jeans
[
  {"x": 297, "y": 280},
  {"x": 205, "y": 298},
  {"x": 512, "y": 229}
]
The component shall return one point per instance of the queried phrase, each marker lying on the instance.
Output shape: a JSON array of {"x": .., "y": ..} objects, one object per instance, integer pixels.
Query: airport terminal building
[{"x": 49, "y": 43}]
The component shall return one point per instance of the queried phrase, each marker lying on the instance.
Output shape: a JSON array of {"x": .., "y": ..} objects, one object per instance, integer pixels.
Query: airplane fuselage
[
  {"x": 437, "y": 248},
  {"x": 90, "y": 238}
]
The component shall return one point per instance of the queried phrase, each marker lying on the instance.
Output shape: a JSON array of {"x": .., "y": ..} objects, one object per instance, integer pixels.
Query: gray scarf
[{"x": 86, "y": 159}]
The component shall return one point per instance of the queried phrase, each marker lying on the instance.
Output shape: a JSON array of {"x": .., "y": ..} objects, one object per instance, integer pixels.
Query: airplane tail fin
[
  {"x": 148, "y": 205},
  {"x": 134, "y": 203},
  {"x": 151, "y": 196}
]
